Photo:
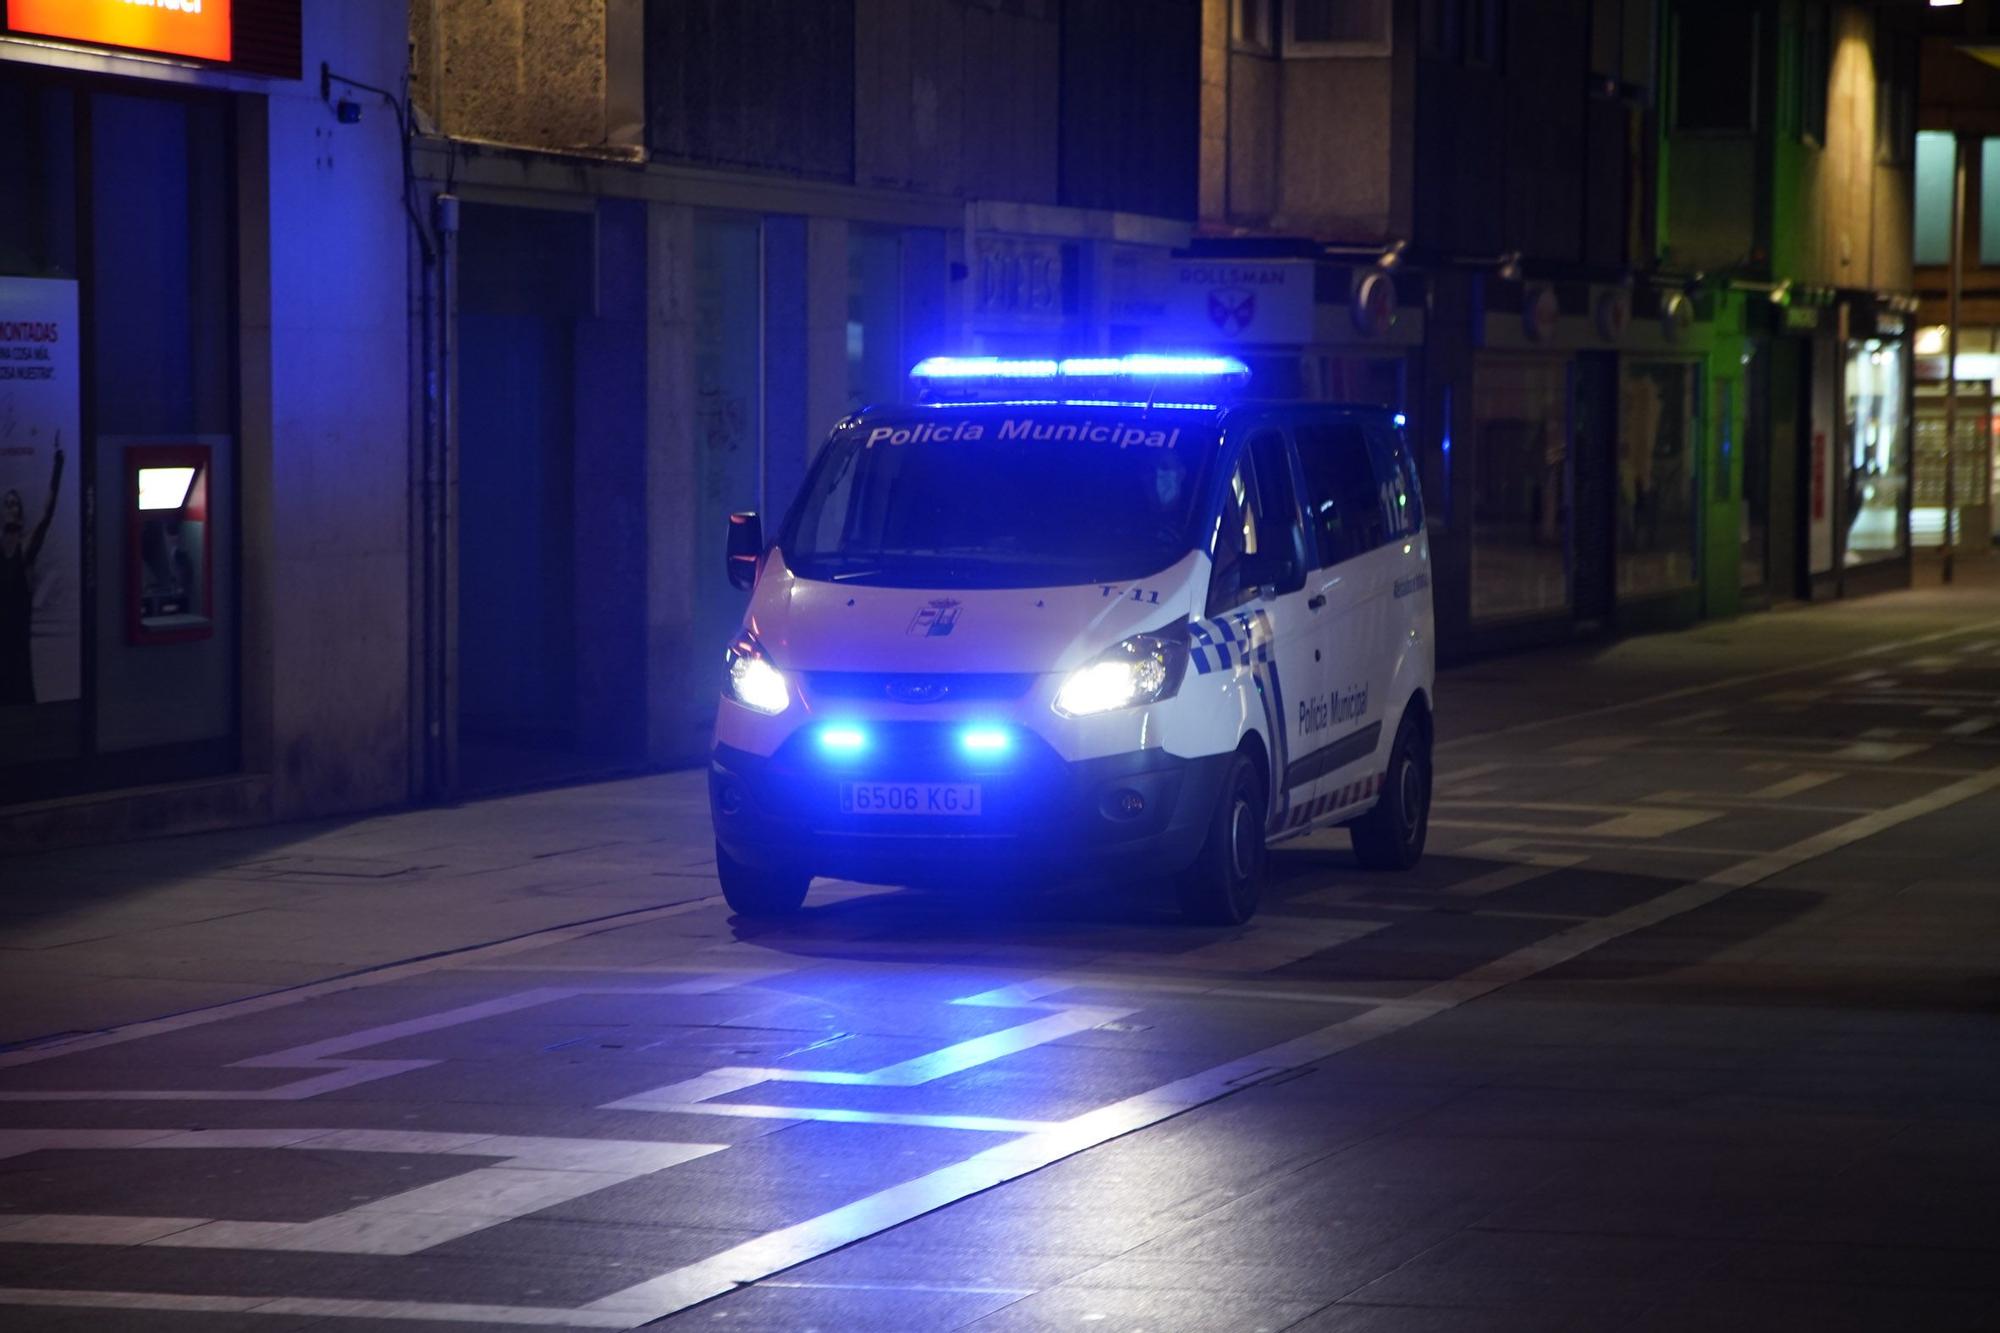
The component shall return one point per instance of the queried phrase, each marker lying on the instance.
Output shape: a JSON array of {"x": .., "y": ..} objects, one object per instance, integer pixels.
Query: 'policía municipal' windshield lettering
[{"x": 1124, "y": 435}]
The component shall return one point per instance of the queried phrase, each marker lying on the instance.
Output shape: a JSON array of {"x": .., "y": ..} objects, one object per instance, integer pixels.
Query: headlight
[
  {"x": 753, "y": 681},
  {"x": 1144, "y": 669}
]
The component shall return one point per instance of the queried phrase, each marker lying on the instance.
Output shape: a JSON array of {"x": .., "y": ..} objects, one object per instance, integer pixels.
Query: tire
[
  {"x": 1391, "y": 836},
  {"x": 753, "y": 892},
  {"x": 1221, "y": 888}
]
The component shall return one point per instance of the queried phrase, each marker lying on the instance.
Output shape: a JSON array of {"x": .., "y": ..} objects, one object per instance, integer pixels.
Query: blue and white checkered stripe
[{"x": 1237, "y": 639}]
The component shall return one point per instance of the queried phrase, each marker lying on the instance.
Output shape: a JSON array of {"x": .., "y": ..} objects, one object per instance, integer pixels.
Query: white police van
[{"x": 1083, "y": 615}]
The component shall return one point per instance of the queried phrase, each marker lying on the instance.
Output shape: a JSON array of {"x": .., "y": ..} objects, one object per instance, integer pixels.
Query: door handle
[{"x": 1316, "y": 601}]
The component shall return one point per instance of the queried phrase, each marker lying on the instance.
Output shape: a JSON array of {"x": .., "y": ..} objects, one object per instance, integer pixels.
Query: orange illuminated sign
[{"x": 197, "y": 28}]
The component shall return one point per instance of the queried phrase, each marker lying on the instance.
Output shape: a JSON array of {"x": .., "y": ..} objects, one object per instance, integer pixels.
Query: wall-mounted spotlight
[
  {"x": 1392, "y": 257},
  {"x": 1510, "y": 266}
]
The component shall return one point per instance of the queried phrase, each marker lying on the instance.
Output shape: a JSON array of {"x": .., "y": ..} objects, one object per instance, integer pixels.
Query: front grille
[{"x": 912, "y": 687}]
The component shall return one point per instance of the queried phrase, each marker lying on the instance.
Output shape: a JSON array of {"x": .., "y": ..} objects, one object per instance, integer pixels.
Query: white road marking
[
  {"x": 336, "y": 1074},
  {"x": 257, "y": 1004},
  {"x": 1709, "y": 687},
  {"x": 1640, "y": 823},
  {"x": 1972, "y": 726},
  {"x": 534, "y": 1173},
  {"x": 752, "y": 1261},
  {"x": 1507, "y": 877},
  {"x": 1877, "y": 752},
  {"x": 1792, "y": 786}
]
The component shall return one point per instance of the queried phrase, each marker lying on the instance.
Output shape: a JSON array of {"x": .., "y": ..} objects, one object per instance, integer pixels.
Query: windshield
[{"x": 1002, "y": 497}]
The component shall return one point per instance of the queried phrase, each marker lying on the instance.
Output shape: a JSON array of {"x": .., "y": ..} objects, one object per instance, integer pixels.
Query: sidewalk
[{"x": 99, "y": 937}]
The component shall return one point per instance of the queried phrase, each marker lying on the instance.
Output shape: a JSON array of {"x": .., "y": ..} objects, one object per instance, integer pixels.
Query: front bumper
[{"x": 1038, "y": 813}]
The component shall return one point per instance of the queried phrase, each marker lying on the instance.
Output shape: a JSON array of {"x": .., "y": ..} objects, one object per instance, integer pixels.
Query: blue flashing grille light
[
  {"x": 1099, "y": 376},
  {"x": 843, "y": 740},
  {"x": 985, "y": 742}
]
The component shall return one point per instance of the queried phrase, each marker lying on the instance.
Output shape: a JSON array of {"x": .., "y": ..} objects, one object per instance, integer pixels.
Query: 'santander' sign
[{"x": 198, "y": 28}]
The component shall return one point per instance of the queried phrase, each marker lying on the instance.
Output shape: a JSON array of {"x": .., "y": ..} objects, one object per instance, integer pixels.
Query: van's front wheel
[
  {"x": 750, "y": 891},
  {"x": 1222, "y": 886},
  {"x": 1391, "y": 836}
]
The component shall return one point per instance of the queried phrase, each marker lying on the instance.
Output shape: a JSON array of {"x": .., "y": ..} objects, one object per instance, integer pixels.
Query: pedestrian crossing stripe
[{"x": 1352, "y": 794}]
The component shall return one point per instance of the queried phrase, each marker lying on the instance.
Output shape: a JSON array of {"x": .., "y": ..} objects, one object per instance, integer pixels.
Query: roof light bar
[
  {"x": 1133, "y": 366},
  {"x": 1141, "y": 373}
]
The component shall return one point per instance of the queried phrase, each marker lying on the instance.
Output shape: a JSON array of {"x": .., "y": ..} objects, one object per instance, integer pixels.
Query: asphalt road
[{"x": 1689, "y": 1021}]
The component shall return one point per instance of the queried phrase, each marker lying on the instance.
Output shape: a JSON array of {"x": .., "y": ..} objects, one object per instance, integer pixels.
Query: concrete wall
[
  {"x": 1859, "y": 210},
  {"x": 1832, "y": 214},
  {"x": 326, "y": 432}
]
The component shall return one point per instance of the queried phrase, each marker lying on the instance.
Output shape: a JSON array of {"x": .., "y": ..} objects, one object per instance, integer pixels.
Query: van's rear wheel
[
  {"x": 751, "y": 891},
  {"x": 1391, "y": 836},
  {"x": 1222, "y": 886}
]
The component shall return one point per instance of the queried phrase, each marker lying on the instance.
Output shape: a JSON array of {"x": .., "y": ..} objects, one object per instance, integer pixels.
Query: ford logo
[{"x": 917, "y": 691}]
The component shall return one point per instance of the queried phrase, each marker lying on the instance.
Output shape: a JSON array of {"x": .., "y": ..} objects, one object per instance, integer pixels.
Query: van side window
[
  {"x": 1236, "y": 536},
  {"x": 1396, "y": 473},
  {"x": 1343, "y": 497}
]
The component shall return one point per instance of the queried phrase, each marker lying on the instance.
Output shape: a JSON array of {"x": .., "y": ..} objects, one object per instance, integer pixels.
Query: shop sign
[
  {"x": 198, "y": 28},
  {"x": 1802, "y": 318},
  {"x": 1018, "y": 281},
  {"x": 41, "y": 624},
  {"x": 1233, "y": 301}
]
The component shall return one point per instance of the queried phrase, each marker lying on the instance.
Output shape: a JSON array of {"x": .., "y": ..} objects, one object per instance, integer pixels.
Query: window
[
  {"x": 1337, "y": 28},
  {"x": 1482, "y": 33},
  {"x": 1343, "y": 498},
  {"x": 1715, "y": 71},
  {"x": 1396, "y": 473},
  {"x": 1895, "y": 97},
  {"x": 1935, "y": 168},
  {"x": 1877, "y": 464},
  {"x": 1441, "y": 28},
  {"x": 1815, "y": 58},
  {"x": 1519, "y": 457},
  {"x": 875, "y": 362},
  {"x": 1236, "y": 536},
  {"x": 1989, "y": 206},
  {"x": 1250, "y": 25},
  {"x": 1659, "y": 416}
]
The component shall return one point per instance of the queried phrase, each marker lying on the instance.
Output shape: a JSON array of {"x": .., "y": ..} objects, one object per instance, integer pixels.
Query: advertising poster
[{"x": 40, "y": 552}]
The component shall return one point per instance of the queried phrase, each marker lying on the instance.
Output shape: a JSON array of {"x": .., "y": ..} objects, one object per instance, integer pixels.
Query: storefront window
[
  {"x": 1876, "y": 464},
  {"x": 1658, "y": 424},
  {"x": 1520, "y": 487},
  {"x": 117, "y": 617}
]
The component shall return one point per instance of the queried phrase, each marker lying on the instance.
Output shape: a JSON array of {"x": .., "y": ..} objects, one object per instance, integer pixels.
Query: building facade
[
  {"x": 674, "y": 244},
  {"x": 1635, "y": 271},
  {"x": 203, "y": 438},
  {"x": 1958, "y": 189},
  {"x": 397, "y": 449}
]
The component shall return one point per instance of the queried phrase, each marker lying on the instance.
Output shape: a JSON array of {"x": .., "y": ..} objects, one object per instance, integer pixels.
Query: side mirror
[{"x": 746, "y": 548}]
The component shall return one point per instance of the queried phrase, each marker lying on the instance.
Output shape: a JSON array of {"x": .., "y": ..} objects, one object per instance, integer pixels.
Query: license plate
[{"x": 909, "y": 798}]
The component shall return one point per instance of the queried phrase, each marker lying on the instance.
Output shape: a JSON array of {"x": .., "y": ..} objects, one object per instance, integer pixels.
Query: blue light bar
[
  {"x": 984, "y": 368},
  {"x": 1137, "y": 365}
]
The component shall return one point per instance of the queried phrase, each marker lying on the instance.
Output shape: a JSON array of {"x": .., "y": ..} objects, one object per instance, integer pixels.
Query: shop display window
[
  {"x": 1659, "y": 420},
  {"x": 1877, "y": 460},
  {"x": 1520, "y": 487}
]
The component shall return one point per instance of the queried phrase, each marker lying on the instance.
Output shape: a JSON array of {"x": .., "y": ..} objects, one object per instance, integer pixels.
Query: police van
[{"x": 1096, "y": 615}]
